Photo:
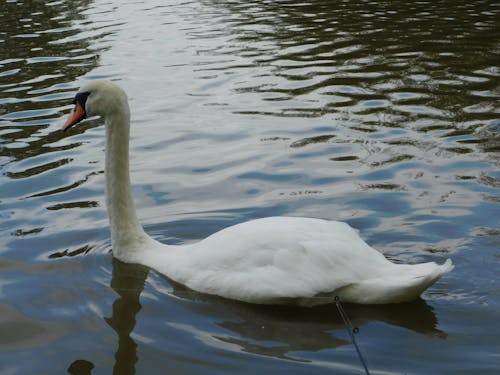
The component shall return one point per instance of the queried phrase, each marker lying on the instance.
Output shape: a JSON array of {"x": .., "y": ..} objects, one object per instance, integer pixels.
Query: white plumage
[{"x": 270, "y": 260}]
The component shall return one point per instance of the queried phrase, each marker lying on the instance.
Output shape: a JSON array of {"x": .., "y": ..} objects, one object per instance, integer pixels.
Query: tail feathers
[
  {"x": 446, "y": 267},
  {"x": 426, "y": 271},
  {"x": 400, "y": 283}
]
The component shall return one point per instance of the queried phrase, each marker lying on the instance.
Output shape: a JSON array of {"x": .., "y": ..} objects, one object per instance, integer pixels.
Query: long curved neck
[{"x": 127, "y": 234}]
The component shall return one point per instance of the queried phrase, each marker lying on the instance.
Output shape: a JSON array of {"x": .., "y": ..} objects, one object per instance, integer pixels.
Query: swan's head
[{"x": 97, "y": 98}]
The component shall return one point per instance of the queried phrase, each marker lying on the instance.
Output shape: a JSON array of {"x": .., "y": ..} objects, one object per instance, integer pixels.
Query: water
[{"x": 381, "y": 114}]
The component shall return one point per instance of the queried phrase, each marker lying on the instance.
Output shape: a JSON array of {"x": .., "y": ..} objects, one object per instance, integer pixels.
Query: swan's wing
[{"x": 261, "y": 260}]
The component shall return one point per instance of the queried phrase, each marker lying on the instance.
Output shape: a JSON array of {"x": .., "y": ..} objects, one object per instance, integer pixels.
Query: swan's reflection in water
[
  {"x": 313, "y": 329},
  {"x": 276, "y": 331},
  {"x": 279, "y": 330},
  {"x": 128, "y": 282}
]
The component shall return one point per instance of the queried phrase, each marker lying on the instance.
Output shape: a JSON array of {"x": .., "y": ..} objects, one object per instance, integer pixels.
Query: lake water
[{"x": 382, "y": 114}]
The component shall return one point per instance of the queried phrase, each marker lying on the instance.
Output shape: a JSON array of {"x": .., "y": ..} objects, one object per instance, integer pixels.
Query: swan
[{"x": 270, "y": 260}]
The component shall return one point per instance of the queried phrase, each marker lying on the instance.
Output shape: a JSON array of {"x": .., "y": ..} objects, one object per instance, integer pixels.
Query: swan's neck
[{"x": 127, "y": 235}]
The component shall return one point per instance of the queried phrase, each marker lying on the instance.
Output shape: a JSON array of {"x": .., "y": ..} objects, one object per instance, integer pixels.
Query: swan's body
[{"x": 267, "y": 260}]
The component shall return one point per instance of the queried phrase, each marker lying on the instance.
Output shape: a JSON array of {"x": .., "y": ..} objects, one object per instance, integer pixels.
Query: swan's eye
[{"x": 81, "y": 98}]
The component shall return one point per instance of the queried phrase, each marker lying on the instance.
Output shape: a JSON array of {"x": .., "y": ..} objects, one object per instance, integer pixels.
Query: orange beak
[{"x": 77, "y": 116}]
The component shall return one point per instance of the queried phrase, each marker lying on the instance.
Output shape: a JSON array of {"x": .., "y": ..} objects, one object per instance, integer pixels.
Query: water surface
[{"x": 381, "y": 114}]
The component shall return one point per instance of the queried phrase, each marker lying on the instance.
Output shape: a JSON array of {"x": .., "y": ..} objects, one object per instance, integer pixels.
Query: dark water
[{"x": 383, "y": 114}]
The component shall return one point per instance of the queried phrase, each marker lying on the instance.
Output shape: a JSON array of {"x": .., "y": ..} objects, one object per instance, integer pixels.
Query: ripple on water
[{"x": 382, "y": 114}]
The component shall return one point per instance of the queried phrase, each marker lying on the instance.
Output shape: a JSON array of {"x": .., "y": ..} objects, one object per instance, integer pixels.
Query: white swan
[{"x": 270, "y": 260}]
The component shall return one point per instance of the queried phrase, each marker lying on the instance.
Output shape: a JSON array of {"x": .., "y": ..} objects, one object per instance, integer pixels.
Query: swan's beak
[{"x": 77, "y": 116}]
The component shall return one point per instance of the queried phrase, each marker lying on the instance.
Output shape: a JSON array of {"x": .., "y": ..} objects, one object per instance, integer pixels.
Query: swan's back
[{"x": 285, "y": 258}]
